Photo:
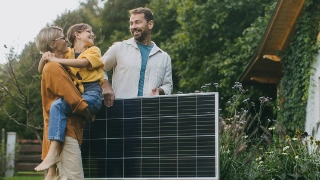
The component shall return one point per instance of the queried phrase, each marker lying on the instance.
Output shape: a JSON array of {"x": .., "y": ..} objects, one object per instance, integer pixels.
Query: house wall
[{"x": 313, "y": 104}]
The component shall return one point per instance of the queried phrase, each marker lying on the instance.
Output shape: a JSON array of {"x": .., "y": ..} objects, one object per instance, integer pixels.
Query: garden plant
[{"x": 257, "y": 148}]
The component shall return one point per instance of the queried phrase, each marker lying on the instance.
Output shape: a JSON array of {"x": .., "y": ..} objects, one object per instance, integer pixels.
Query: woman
[
  {"x": 56, "y": 83},
  {"x": 84, "y": 60}
]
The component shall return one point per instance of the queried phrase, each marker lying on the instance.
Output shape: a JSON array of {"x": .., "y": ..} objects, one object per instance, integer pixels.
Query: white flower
[
  {"x": 261, "y": 162},
  {"x": 271, "y": 128},
  {"x": 258, "y": 158},
  {"x": 294, "y": 139},
  {"x": 297, "y": 157},
  {"x": 284, "y": 153},
  {"x": 285, "y": 148},
  {"x": 228, "y": 151}
]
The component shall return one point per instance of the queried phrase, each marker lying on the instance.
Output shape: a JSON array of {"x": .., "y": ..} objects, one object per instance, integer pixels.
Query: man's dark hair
[{"x": 148, "y": 15}]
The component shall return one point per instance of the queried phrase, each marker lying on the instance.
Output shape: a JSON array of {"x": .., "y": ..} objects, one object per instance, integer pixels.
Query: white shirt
[{"x": 125, "y": 59}]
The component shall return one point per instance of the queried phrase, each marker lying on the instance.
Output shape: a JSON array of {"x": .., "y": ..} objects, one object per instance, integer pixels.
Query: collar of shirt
[{"x": 153, "y": 51}]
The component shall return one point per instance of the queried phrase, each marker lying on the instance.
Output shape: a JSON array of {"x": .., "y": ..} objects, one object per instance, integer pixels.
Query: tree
[
  {"x": 209, "y": 41},
  {"x": 20, "y": 93},
  {"x": 88, "y": 12},
  {"x": 20, "y": 100},
  {"x": 115, "y": 20},
  {"x": 204, "y": 49}
]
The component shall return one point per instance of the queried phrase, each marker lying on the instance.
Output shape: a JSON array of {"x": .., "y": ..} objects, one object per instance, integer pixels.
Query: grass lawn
[{"x": 25, "y": 178}]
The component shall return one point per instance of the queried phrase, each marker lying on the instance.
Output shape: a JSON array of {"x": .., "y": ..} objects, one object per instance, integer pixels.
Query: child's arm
[{"x": 78, "y": 63}]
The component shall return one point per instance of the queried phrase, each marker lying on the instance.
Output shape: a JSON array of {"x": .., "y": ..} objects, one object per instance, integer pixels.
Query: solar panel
[{"x": 162, "y": 137}]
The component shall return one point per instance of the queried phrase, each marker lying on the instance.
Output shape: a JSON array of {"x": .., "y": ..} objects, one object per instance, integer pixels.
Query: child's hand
[
  {"x": 45, "y": 56},
  {"x": 48, "y": 57}
]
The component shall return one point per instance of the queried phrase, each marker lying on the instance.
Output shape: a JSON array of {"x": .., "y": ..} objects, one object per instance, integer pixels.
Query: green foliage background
[
  {"x": 209, "y": 41},
  {"x": 296, "y": 62}
]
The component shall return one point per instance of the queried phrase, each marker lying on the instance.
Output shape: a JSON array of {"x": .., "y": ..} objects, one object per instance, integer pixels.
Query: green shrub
[{"x": 257, "y": 149}]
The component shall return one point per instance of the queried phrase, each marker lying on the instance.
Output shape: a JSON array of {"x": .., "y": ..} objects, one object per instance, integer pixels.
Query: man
[{"x": 140, "y": 67}]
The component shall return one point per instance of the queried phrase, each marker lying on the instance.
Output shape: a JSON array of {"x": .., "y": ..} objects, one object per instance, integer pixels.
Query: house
[
  {"x": 313, "y": 105},
  {"x": 265, "y": 67}
]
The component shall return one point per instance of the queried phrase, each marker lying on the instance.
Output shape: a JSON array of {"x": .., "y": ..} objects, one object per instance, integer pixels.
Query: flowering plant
[{"x": 253, "y": 147}]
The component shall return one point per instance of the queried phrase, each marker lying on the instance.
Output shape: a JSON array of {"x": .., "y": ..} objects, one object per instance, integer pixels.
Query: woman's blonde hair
[
  {"x": 76, "y": 28},
  {"x": 45, "y": 36}
]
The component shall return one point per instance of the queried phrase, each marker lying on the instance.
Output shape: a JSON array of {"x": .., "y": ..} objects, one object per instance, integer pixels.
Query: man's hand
[
  {"x": 156, "y": 92},
  {"x": 107, "y": 93}
]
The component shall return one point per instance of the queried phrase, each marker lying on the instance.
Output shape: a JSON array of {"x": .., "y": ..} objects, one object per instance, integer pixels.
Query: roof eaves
[{"x": 262, "y": 42}]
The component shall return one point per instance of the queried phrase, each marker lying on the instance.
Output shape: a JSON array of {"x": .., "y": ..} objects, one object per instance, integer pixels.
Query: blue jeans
[{"x": 60, "y": 110}]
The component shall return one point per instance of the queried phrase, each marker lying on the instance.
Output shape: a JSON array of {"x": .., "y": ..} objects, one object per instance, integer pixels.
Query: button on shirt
[{"x": 125, "y": 59}]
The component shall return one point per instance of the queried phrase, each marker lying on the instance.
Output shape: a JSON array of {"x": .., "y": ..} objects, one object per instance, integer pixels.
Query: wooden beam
[
  {"x": 272, "y": 57},
  {"x": 297, "y": 7},
  {"x": 266, "y": 80}
]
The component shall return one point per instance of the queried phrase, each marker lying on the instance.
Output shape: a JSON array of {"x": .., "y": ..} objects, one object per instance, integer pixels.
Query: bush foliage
[{"x": 256, "y": 150}]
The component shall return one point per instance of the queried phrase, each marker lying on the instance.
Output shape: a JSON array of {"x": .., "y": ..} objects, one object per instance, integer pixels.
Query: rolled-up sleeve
[
  {"x": 167, "y": 80},
  {"x": 109, "y": 58},
  {"x": 94, "y": 57}
]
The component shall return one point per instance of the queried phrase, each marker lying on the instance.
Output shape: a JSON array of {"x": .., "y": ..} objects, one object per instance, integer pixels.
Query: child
[{"x": 86, "y": 68}]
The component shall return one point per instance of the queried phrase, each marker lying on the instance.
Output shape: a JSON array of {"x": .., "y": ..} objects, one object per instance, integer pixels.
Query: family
[{"x": 74, "y": 82}]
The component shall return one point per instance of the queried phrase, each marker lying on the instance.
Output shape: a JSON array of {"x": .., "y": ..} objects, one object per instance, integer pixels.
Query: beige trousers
[{"x": 70, "y": 166}]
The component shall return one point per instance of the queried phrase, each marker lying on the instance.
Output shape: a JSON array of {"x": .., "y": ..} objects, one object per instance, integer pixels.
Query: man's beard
[{"x": 142, "y": 37}]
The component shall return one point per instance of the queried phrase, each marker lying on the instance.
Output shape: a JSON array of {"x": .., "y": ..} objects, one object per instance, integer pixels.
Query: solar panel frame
[{"x": 133, "y": 137}]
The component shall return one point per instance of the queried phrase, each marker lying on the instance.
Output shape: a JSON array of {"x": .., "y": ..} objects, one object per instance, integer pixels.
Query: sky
[{"x": 22, "y": 20}]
